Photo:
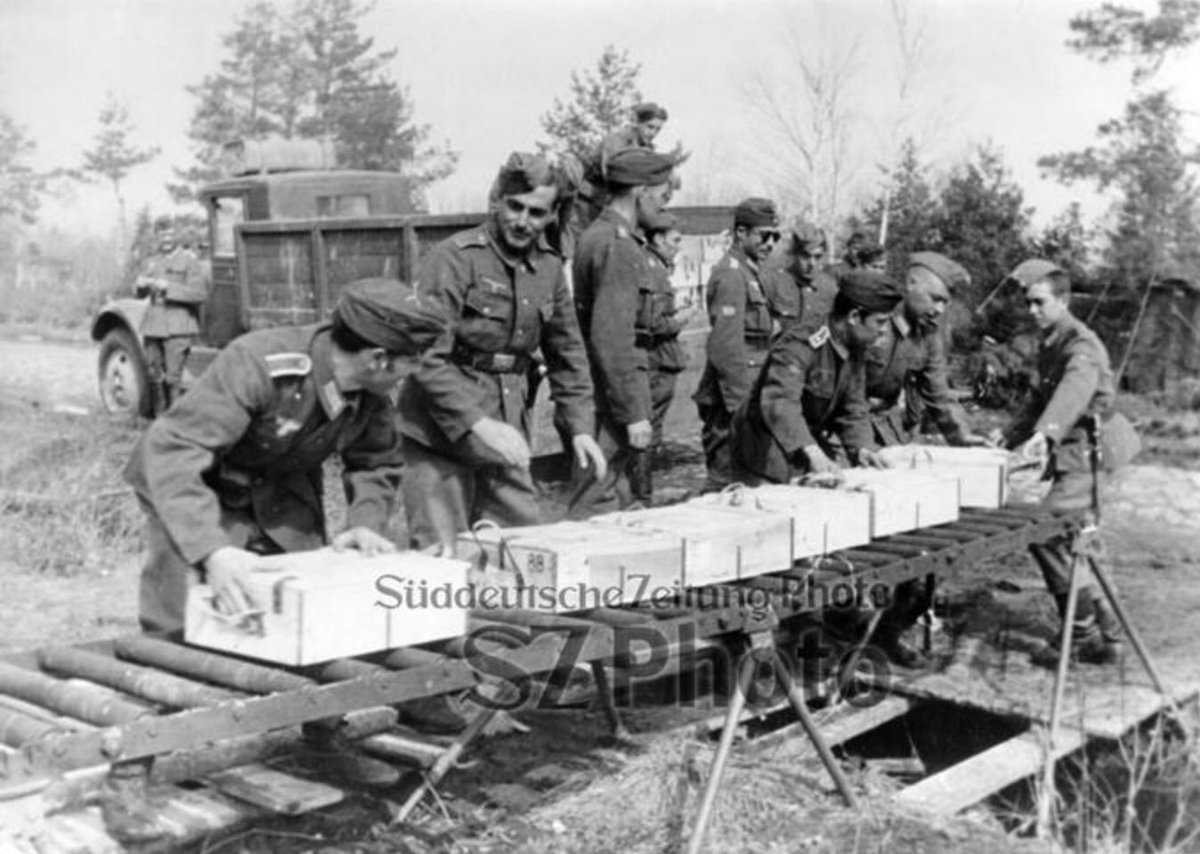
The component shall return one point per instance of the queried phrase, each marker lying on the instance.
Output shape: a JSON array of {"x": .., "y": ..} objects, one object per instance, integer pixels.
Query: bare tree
[
  {"x": 808, "y": 121},
  {"x": 910, "y": 46},
  {"x": 114, "y": 155}
]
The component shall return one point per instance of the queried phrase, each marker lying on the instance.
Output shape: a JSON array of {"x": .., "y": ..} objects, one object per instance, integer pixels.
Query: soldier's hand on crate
[
  {"x": 819, "y": 464},
  {"x": 363, "y": 540},
  {"x": 870, "y": 458},
  {"x": 227, "y": 570},
  {"x": 640, "y": 434},
  {"x": 589, "y": 455},
  {"x": 505, "y": 440}
]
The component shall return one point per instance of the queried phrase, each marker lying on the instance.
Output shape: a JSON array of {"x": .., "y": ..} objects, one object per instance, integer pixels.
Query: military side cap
[
  {"x": 1029, "y": 273},
  {"x": 389, "y": 314},
  {"x": 637, "y": 167},
  {"x": 756, "y": 212},
  {"x": 523, "y": 173},
  {"x": 648, "y": 110},
  {"x": 951, "y": 272},
  {"x": 806, "y": 236},
  {"x": 872, "y": 292}
]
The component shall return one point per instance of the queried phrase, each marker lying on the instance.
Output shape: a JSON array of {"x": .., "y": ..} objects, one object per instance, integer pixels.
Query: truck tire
[{"x": 124, "y": 377}]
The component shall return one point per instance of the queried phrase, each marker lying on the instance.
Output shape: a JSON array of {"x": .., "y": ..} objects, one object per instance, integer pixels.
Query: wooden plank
[
  {"x": 407, "y": 746},
  {"x": 844, "y": 723},
  {"x": 273, "y": 790},
  {"x": 974, "y": 779}
]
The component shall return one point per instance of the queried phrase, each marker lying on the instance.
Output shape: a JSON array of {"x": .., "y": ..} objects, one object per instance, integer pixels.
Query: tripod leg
[
  {"x": 607, "y": 701},
  {"x": 1135, "y": 639},
  {"x": 736, "y": 703},
  {"x": 1046, "y": 796},
  {"x": 796, "y": 698}
]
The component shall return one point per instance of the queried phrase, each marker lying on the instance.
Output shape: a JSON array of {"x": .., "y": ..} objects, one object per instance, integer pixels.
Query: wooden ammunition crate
[
  {"x": 905, "y": 500},
  {"x": 720, "y": 543},
  {"x": 571, "y": 566},
  {"x": 320, "y": 605},
  {"x": 981, "y": 472},
  {"x": 823, "y": 520}
]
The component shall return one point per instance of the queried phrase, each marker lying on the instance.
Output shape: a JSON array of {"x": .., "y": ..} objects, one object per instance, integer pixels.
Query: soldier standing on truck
[
  {"x": 465, "y": 415},
  {"x": 175, "y": 281},
  {"x": 613, "y": 292},
  {"x": 741, "y": 328}
]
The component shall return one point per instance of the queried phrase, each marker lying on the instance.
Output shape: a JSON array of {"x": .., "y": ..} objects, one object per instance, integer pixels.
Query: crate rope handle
[{"x": 487, "y": 525}]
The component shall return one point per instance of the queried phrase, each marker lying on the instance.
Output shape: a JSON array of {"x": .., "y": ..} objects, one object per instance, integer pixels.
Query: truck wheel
[{"x": 124, "y": 380}]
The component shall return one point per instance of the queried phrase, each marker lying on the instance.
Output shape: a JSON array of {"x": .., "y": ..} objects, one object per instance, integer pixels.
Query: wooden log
[
  {"x": 412, "y": 656},
  {"x": 152, "y": 685},
  {"x": 210, "y": 667},
  {"x": 17, "y": 730},
  {"x": 12, "y": 704},
  {"x": 70, "y": 700}
]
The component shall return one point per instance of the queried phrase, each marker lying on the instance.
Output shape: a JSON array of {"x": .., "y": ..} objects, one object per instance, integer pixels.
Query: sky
[{"x": 481, "y": 72}]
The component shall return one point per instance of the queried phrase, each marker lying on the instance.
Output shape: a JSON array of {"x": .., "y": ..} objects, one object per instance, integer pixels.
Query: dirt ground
[{"x": 69, "y": 555}]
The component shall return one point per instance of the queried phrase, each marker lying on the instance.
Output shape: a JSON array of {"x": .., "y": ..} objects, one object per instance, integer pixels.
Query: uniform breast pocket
[
  {"x": 487, "y": 318},
  {"x": 758, "y": 316}
]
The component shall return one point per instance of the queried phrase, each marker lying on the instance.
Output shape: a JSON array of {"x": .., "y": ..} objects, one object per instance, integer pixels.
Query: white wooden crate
[
  {"x": 572, "y": 566},
  {"x": 720, "y": 543},
  {"x": 320, "y": 605},
  {"x": 823, "y": 520},
  {"x": 905, "y": 500},
  {"x": 982, "y": 472}
]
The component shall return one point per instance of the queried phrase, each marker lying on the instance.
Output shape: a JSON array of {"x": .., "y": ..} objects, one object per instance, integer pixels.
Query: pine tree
[
  {"x": 600, "y": 103},
  {"x": 113, "y": 155}
]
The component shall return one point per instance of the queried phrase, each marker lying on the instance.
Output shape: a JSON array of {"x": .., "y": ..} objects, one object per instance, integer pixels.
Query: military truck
[{"x": 284, "y": 241}]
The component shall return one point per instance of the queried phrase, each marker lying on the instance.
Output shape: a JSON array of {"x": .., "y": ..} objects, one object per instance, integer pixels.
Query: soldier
[
  {"x": 660, "y": 322},
  {"x": 797, "y": 289},
  {"x": 465, "y": 414},
  {"x": 906, "y": 367},
  {"x": 1075, "y": 389},
  {"x": 177, "y": 286},
  {"x": 648, "y": 121},
  {"x": 906, "y": 377},
  {"x": 813, "y": 385},
  {"x": 233, "y": 471},
  {"x": 613, "y": 290},
  {"x": 741, "y": 326}
]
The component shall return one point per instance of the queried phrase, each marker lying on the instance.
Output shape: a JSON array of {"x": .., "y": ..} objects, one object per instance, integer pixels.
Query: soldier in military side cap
[
  {"x": 813, "y": 390},
  {"x": 1070, "y": 408},
  {"x": 232, "y": 471},
  {"x": 741, "y": 328},
  {"x": 798, "y": 288},
  {"x": 613, "y": 289},
  {"x": 465, "y": 415},
  {"x": 646, "y": 122},
  {"x": 906, "y": 381}
]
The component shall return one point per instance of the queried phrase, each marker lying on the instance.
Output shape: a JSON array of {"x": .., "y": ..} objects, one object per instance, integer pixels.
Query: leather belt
[{"x": 492, "y": 363}]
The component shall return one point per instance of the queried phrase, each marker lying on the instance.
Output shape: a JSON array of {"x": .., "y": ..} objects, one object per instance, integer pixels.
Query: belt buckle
[{"x": 503, "y": 361}]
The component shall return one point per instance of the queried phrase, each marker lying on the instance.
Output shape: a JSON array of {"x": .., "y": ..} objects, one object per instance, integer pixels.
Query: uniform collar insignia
[{"x": 332, "y": 397}]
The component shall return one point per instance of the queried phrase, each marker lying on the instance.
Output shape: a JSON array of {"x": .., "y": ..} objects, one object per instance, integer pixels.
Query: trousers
[{"x": 444, "y": 496}]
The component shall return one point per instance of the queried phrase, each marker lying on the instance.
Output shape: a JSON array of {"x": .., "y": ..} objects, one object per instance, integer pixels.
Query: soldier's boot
[
  {"x": 1106, "y": 619},
  {"x": 1088, "y": 646},
  {"x": 641, "y": 481},
  {"x": 129, "y": 811},
  {"x": 323, "y": 752}
]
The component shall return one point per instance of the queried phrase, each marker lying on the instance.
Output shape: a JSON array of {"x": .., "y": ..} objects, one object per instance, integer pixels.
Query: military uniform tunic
[
  {"x": 791, "y": 301},
  {"x": 1074, "y": 381},
  {"x": 172, "y": 320},
  {"x": 741, "y": 327},
  {"x": 659, "y": 327},
  {"x": 503, "y": 311},
  {"x": 811, "y": 388},
  {"x": 614, "y": 296},
  {"x": 910, "y": 362},
  {"x": 237, "y": 461}
]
